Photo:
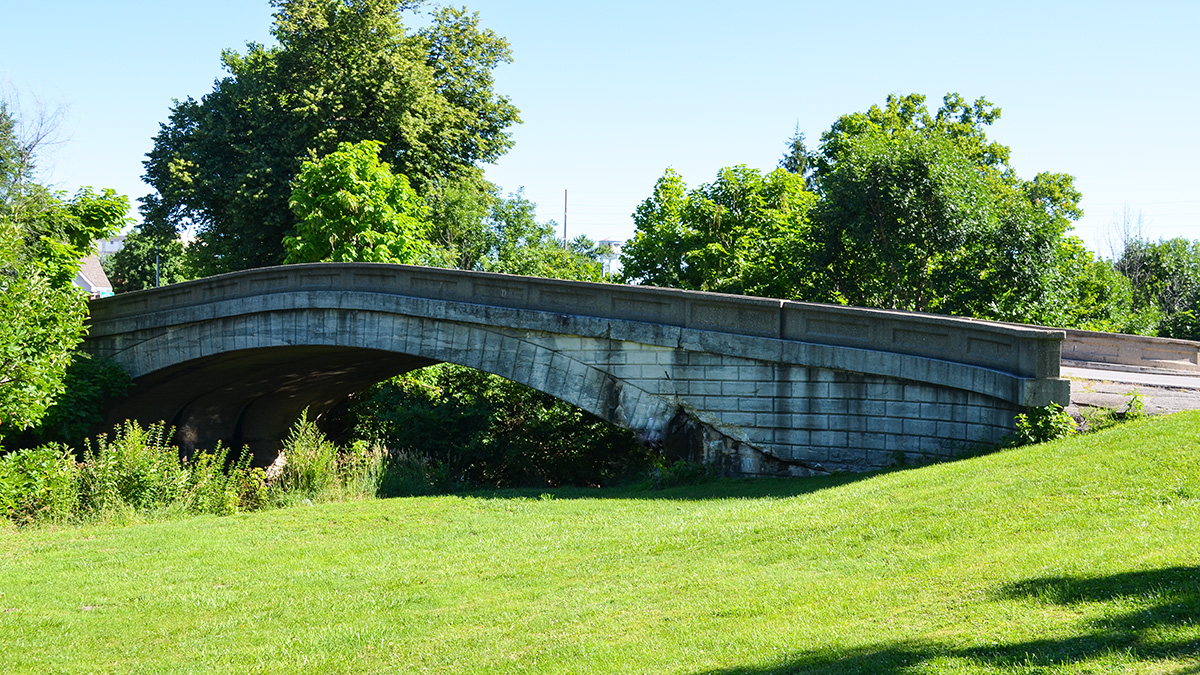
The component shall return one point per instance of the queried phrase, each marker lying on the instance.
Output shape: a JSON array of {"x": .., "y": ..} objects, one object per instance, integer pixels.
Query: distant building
[
  {"x": 111, "y": 245},
  {"x": 92, "y": 278},
  {"x": 613, "y": 244},
  {"x": 610, "y": 263}
]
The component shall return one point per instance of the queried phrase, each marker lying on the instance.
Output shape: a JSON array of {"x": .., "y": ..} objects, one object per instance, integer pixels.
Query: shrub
[
  {"x": 412, "y": 475},
  {"x": 1135, "y": 407},
  {"x": 1043, "y": 423},
  {"x": 311, "y": 470},
  {"x": 361, "y": 469},
  {"x": 137, "y": 469},
  {"x": 483, "y": 430},
  {"x": 216, "y": 487},
  {"x": 671, "y": 474},
  {"x": 38, "y": 484},
  {"x": 89, "y": 382}
]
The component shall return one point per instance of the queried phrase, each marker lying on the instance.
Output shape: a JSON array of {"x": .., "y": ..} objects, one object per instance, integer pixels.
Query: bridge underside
[{"x": 252, "y": 396}]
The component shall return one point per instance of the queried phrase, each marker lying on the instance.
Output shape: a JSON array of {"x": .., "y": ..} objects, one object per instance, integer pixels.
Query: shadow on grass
[
  {"x": 721, "y": 488},
  {"x": 1152, "y": 615}
]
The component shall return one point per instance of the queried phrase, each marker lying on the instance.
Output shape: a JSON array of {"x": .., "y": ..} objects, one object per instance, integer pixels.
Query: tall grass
[
  {"x": 137, "y": 470},
  {"x": 316, "y": 469}
]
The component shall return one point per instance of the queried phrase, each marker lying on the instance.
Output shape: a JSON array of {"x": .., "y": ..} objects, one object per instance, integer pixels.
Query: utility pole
[{"x": 564, "y": 218}]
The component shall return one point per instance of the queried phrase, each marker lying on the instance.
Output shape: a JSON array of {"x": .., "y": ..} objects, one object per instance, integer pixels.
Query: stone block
[
  {"x": 927, "y": 428},
  {"x": 866, "y": 407},
  {"x": 904, "y": 409},
  {"x": 828, "y": 406},
  {"x": 919, "y": 393},
  {"x": 813, "y": 422},
  {"x": 721, "y": 373},
  {"x": 756, "y": 404},
  {"x": 757, "y": 373},
  {"x": 885, "y": 425},
  {"x": 740, "y": 419},
  {"x": 868, "y": 441},
  {"x": 885, "y": 391},
  {"x": 792, "y": 437},
  {"x": 769, "y": 420},
  {"x": 849, "y": 455},
  {"x": 902, "y": 443},
  {"x": 703, "y": 388},
  {"x": 847, "y": 423},
  {"x": 791, "y": 404},
  {"x": 739, "y": 388},
  {"x": 829, "y": 439},
  {"x": 953, "y": 430}
]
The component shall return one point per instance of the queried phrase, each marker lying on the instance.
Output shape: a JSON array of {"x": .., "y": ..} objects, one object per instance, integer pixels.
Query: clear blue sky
[{"x": 613, "y": 93}]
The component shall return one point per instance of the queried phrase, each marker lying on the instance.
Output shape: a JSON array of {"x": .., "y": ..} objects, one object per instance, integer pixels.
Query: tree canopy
[
  {"x": 742, "y": 233},
  {"x": 343, "y": 71},
  {"x": 350, "y": 207},
  {"x": 898, "y": 207}
]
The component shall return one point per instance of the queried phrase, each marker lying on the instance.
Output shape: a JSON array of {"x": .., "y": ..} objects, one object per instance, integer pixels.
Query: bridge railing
[
  {"x": 1022, "y": 351},
  {"x": 1131, "y": 352}
]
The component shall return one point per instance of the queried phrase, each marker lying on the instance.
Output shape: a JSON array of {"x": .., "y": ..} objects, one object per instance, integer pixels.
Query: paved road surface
[{"x": 1161, "y": 392}]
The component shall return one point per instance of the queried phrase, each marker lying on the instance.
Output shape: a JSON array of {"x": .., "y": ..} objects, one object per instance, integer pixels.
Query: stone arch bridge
[{"x": 762, "y": 386}]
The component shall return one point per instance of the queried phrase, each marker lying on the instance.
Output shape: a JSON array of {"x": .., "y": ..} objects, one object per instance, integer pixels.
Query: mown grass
[{"x": 1076, "y": 556}]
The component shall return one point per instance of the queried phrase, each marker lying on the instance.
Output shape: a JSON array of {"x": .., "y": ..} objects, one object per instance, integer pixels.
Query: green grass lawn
[{"x": 1078, "y": 556}]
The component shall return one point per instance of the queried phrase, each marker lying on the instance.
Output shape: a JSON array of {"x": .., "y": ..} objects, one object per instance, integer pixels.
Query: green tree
[
  {"x": 521, "y": 245},
  {"x": 797, "y": 159},
  {"x": 478, "y": 230},
  {"x": 146, "y": 260},
  {"x": 343, "y": 71},
  {"x": 43, "y": 238},
  {"x": 1165, "y": 276},
  {"x": 957, "y": 120},
  {"x": 1088, "y": 292},
  {"x": 350, "y": 207},
  {"x": 484, "y": 430},
  {"x": 921, "y": 211},
  {"x": 742, "y": 233}
]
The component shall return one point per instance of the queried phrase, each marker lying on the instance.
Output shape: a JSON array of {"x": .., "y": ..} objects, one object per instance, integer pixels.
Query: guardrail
[
  {"x": 1133, "y": 352},
  {"x": 1028, "y": 352}
]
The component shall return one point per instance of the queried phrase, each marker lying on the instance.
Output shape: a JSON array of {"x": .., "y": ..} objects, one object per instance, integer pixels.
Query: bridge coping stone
[{"x": 1024, "y": 351}]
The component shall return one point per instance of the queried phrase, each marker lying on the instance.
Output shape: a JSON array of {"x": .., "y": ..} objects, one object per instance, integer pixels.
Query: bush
[
  {"x": 137, "y": 469},
  {"x": 483, "y": 430},
  {"x": 311, "y": 470},
  {"x": 412, "y": 475},
  {"x": 1043, "y": 423},
  {"x": 214, "y": 489},
  {"x": 671, "y": 474},
  {"x": 89, "y": 382},
  {"x": 38, "y": 484}
]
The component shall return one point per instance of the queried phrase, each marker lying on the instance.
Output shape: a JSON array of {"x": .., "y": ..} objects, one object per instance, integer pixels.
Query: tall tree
[
  {"x": 343, "y": 71},
  {"x": 146, "y": 260},
  {"x": 796, "y": 159},
  {"x": 921, "y": 211},
  {"x": 1165, "y": 276}
]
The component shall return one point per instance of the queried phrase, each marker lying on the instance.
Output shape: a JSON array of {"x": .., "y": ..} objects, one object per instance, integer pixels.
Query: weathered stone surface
[{"x": 760, "y": 386}]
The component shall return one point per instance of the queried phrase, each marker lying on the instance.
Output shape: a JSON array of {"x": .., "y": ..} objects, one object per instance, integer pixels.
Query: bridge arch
[{"x": 764, "y": 386}]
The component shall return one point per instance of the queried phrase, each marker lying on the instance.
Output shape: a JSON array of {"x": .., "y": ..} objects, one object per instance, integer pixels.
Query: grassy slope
[{"x": 1076, "y": 556}]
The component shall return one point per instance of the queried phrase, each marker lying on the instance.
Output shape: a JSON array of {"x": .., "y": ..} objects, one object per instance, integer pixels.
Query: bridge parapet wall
[
  {"x": 1025, "y": 352},
  {"x": 1131, "y": 352}
]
